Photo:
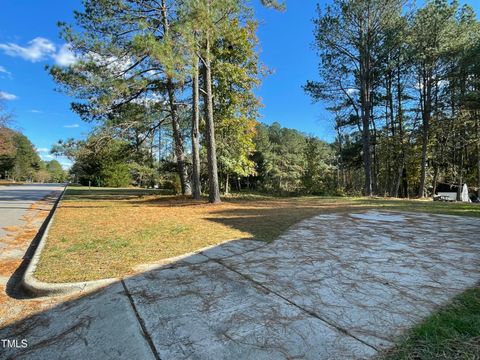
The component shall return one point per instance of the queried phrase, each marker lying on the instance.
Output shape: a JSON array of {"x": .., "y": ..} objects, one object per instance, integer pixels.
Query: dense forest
[
  {"x": 19, "y": 161},
  {"x": 403, "y": 86},
  {"x": 280, "y": 161},
  {"x": 170, "y": 89}
]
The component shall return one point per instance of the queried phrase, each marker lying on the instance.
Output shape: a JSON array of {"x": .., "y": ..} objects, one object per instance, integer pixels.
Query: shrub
[{"x": 117, "y": 175}]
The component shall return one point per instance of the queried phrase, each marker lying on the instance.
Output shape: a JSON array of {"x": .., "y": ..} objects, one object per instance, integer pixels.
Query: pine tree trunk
[
  {"x": 427, "y": 103},
  {"x": 395, "y": 154},
  {"x": 214, "y": 188},
  {"x": 376, "y": 167},
  {"x": 177, "y": 135},
  {"x": 463, "y": 148},
  {"x": 178, "y": 141},
  {"x": 435, "y": 179},
  {"x": 402, "y": 154},
  {"x": 365, "y": 92},
  {"x": 421, "y": 190},
  {"x": 159, "y": 142},
  {"x": 438, "y": 147},
  {"x": 398, "y": 180},
  {"x": 477, "y": 123},
  {"x": 196, "y": 189},
  {"x": 367, "y": 159},
  {"x": 406, "y": 190}
]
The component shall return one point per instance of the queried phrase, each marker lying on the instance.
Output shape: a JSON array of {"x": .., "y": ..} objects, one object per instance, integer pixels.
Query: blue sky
[{"x": 44, "y": 115}]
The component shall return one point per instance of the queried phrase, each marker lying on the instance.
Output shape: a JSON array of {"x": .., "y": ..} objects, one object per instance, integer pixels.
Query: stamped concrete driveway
[{"x": 337, "y": 286}]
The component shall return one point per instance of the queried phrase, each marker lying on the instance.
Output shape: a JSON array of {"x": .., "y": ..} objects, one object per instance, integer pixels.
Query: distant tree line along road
[{"x": 19, "y": 160}]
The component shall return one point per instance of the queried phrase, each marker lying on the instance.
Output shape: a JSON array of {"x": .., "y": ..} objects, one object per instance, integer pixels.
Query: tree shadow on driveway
[{"x": 334, "y": 286}]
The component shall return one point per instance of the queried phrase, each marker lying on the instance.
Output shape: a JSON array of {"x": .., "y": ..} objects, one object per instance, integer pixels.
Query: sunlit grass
[
  {"x": 9, "y": 182},
  {"x": 102, "y": 233}
]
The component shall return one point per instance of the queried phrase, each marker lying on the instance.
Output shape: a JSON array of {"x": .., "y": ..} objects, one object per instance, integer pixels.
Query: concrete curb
[{"x": 39, "y": 288}]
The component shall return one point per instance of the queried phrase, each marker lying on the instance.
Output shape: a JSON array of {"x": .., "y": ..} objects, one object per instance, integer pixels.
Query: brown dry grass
[
  {"x": 95, "y": 237},
  {"x": 9, "y": 182}
]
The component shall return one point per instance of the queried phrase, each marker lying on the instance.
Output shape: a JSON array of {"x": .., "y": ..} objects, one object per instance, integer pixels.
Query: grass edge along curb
[{"x": 39, "y": 288}]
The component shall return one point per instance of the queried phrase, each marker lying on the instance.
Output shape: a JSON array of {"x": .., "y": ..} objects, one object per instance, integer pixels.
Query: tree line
[
  {"x": 169, "y": 87},
  {"x": 403, "y": 85},
  {"x": 19, "y": 161},
  {"x": 280, "y": 161},
  {"x": 187, "y": 66}
]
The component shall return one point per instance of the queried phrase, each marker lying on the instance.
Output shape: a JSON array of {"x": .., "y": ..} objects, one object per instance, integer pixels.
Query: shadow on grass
[
  {"x": 267, "y": 223},
  {"x": 267, "y": 217},
  {"x": 199, "y": 295},
  {"x": 111, "y": 322},
  {"x": 79, "y": 194}
]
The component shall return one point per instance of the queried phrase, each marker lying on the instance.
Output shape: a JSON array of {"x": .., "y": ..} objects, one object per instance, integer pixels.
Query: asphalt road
[{"x": 15, "y": 200}]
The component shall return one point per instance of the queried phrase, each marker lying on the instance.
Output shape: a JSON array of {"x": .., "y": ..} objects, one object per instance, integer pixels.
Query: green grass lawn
[
  {"x": 428, "y": 206},
  {"x": 451, "y": 333},
  {"x": 103, "y": 193}
]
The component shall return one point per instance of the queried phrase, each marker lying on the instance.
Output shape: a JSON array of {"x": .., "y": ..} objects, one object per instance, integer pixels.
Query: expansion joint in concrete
[
  {"x": 146, "y": 335},
  {"x": 307, "y": 311}
]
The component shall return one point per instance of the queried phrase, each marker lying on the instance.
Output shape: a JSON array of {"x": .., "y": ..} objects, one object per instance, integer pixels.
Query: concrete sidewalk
[{"x": 337, "y": 286}]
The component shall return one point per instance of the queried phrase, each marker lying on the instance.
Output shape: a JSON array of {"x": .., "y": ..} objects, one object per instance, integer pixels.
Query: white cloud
[
  {"x": 7, "y": 96},
  {"x": 40, "y": 49},
  {"x": 35, "y": 111},
  {"x": 66, "y": 165},
  {"x": 150, "y": 99},
  {"x": 36, "y": 50},
  {"x": 352, "y": 91},
  {"x": 43, "y": 150},
  {"x": 65, "y": 56},
  {"x": 111, "y": 63},
  {"x": 4, "y": 71},
  {"x": 71, "y": 126}
]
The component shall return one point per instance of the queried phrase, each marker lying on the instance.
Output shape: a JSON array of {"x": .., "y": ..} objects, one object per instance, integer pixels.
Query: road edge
[{"x": 38, "y": 288}]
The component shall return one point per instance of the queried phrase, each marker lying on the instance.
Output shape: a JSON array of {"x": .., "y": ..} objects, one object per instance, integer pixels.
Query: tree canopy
[
  {"x": 170, "y": 89},
  {"x": 406, "y": 81}
]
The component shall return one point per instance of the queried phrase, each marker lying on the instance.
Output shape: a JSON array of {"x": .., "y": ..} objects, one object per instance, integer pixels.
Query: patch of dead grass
[{"x": 94, "y": 239}]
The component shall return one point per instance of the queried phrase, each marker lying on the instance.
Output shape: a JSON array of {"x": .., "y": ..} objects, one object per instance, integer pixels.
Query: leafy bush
[
  {"x": 117, "y": 175},
  {"x": 172, "y": 182},
  {"x": 143, "y": 175}
]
